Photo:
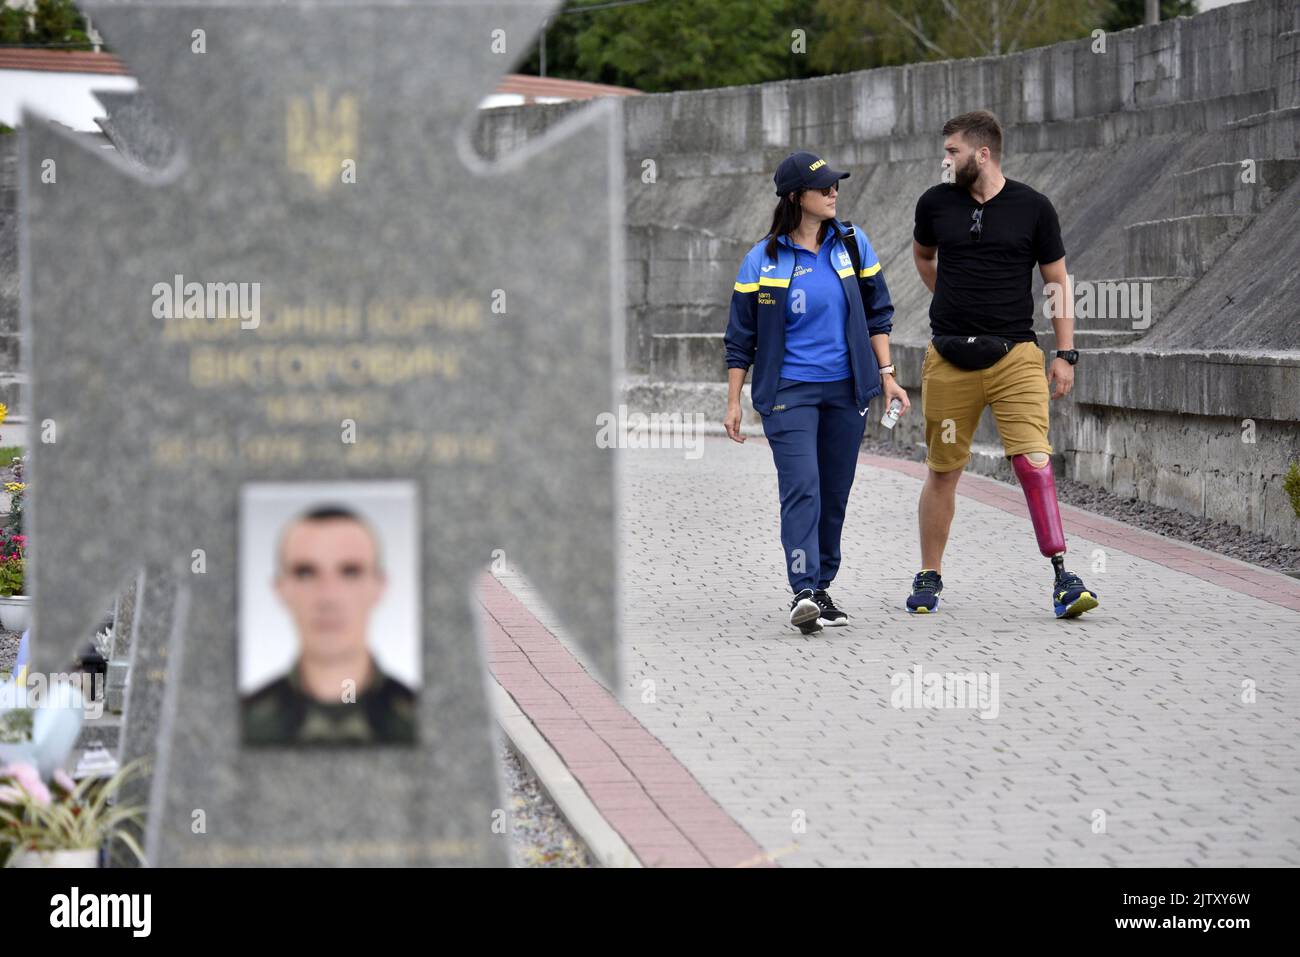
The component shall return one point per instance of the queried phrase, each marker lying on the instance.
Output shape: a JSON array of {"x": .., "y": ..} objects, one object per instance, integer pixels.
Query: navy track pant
[{"x": 815, "y": 433}]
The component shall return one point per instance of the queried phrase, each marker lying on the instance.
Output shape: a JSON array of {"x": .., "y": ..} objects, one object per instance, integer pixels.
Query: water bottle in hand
[{"x": 891, "y": 416}]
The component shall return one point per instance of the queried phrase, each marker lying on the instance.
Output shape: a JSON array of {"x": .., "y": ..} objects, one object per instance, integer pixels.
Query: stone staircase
[
  {"x": 1212, "y": 207},
  {"x": 1163, "y": 259},
  {"x": 1213, "y": 204}
]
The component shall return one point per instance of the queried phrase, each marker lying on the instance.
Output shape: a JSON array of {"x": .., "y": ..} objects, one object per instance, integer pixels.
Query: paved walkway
[{"x": 1121, "y": 738}]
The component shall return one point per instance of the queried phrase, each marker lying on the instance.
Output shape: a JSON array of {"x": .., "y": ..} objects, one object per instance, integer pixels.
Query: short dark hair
[
  {"x": 323, "y": 513},
  {"x": 328, "y": 513},
  {"x": 980, "y": 127}
]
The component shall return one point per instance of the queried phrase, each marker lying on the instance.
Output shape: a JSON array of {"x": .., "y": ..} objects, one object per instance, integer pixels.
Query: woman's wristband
[{"x": 887, "y": 370}]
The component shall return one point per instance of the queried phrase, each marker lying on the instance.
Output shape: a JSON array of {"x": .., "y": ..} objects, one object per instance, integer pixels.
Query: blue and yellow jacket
[{"x": 756, "y": 331}]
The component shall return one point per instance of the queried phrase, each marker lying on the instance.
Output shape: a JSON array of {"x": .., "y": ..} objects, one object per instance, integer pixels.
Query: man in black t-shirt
[
  {"x": 985, "y": 277},
  {"x": 977, "y": 238}
]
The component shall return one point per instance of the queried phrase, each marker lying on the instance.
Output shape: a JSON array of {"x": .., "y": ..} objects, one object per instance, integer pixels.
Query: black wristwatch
[{"x": 1069, "y": 355}]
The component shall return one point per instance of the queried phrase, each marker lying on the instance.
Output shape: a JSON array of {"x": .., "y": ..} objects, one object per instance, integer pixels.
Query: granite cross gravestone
[{"x": 324, "y": 282}]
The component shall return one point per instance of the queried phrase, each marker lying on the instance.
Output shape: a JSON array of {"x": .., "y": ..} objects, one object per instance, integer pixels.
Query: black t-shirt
[{"x": 985, "y": 284}]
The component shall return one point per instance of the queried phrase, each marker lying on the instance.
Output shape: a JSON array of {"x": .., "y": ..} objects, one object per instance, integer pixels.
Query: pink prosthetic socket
[{"x": 1040, "y": 494}]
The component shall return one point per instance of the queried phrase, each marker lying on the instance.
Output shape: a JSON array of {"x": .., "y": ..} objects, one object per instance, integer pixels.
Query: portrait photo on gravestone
[{"x": 329, "y": 617}]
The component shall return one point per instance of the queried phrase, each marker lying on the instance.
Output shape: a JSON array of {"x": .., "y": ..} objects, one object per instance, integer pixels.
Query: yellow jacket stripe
[
  {"x": 764, "y": 281},
  {"x": 869, "y": 271}
]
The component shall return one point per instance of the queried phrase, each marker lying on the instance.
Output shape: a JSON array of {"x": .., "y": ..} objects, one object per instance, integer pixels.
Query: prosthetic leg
[
  {"x": 1069, "y": 594},
  {"x": 1040, "y": 492}
]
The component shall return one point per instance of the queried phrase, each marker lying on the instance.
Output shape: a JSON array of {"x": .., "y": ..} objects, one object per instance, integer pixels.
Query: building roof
[
  {"x": 534, "y": 87},
  {"x": 60, "y": 61}
]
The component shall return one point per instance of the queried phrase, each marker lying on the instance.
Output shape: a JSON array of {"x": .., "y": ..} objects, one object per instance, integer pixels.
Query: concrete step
[
  {"x": 1092, "y": 339},
  {"x": 1219, "y": 187},
  {"x": 1274, "y": 134},
  {"x": 645, "y": 320},
  {"x": 991, "y": 459},
  {"x": 699, "y": 357},
  {"x": 1286, "y": 65},
  {"x": 681, "y": 264},
  {"x": 1105, "y": 130},
  {"x": 646, "y": 395},
  {"x": 987, "y": 458},
  {"x": 1181, "y": 246},
  {"x": 13, "y": 390},
  {"x": 708, "y": 400},
  {"x": 688, "y": 357},
  {"x": 11, "y": 345}
]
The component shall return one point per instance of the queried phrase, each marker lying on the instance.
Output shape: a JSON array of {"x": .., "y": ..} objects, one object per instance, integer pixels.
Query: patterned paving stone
[{"x": 1126, "y": 737}]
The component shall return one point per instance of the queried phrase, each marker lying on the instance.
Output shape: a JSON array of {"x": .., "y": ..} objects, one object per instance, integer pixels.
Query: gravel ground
[
  {"x": 1218, "y": 537},
  {"x": 540, "y": 837},
  {"x": 8, "y": 650}
]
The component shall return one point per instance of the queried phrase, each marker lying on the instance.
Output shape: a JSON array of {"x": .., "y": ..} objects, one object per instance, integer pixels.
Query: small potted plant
[
  {"x": 15, "y": 603},
  {"x": 64, "y": 823}
]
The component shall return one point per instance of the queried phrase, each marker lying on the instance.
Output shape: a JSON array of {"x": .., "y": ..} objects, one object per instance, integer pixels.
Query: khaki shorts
[{"x": 953, "y": 398}]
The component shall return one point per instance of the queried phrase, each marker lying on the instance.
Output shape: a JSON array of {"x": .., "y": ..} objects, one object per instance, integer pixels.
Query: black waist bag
[{"x": 972, "y": 352}]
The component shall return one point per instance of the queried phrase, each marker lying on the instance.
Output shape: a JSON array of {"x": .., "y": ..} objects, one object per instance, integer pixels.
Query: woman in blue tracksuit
[{"x": 811, "y": 313}]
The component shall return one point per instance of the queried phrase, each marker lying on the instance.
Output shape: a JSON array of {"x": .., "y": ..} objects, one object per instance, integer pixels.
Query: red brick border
[
  {"x": 655, "y": 804},
  {"x": 1228, "y": 573}
]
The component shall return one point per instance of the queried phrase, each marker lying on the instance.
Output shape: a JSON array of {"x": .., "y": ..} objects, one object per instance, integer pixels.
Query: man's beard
[{"x": 966, "y": 174}]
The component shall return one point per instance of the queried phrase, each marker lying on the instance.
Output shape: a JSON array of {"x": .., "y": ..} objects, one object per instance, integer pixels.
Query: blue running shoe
[
  {"x": 1071, "y": 597},
  {"x": 925, "y": 592}
]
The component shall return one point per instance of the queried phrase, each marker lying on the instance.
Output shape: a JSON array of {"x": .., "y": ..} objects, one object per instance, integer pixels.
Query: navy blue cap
[{"x": 804, "y": 170}]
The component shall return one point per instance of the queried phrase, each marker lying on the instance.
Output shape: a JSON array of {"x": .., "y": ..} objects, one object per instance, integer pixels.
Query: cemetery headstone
[{"x": 323, "y": 284}]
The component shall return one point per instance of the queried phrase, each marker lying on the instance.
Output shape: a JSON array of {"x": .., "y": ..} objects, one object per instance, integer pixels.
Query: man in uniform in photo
[{"x": 330, "y": 577}]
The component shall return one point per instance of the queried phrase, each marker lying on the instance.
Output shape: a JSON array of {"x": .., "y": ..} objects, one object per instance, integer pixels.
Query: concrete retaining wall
[{"x": 1140, "y": 147}]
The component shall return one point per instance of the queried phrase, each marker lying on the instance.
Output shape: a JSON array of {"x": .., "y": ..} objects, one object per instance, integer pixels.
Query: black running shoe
[
  {"x": 1071, "y": 597},
  {"x": 805, "y": 613},
  {"x": 926, "y": 586},
  {"x": 830, "y": 616}
]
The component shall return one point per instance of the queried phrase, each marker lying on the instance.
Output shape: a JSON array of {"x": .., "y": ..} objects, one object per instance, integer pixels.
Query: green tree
[
  {"x": 57, "y": 24},
  {"x": 561, "y": 48},
  {"x": 691, "y": 44},
  {"x": 13, "y": 26},
  {"x": 674, "y": 44},
  {"x": 1132, "y": 13},
  {"x": 890, "y": 32}
]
